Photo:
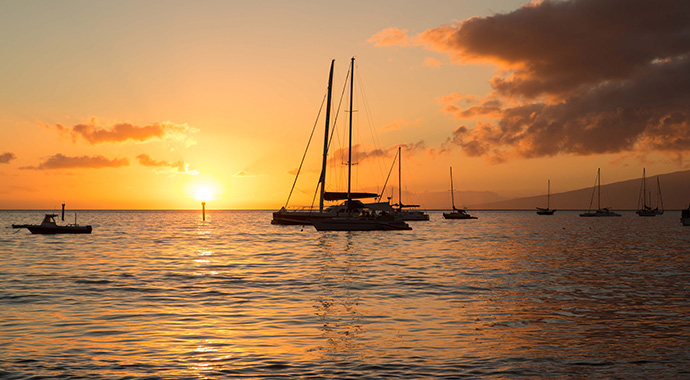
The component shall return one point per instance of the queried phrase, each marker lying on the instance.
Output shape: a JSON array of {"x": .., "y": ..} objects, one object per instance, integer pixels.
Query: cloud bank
[
  {"x": 6, "y": 157},
  {"x": 60, "y": 161},
  {"x": 121, "y": 132},
  {"x": 577, "y": 77}
]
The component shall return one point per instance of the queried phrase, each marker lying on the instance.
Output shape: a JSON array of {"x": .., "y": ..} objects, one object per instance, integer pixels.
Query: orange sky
[{"x": 142, "y": 104}]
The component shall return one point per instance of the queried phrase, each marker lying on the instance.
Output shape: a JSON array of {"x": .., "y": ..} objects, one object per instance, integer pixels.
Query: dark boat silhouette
[{"x": 49, "y": 227}]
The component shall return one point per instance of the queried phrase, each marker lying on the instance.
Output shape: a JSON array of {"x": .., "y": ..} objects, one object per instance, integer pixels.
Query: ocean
[{"x": 165, "y": 295}]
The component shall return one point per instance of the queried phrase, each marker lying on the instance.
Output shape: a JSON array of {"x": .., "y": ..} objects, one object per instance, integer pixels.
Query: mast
[
  {"x": 644, "y": 191},
  {"x": 598, "y": 188},
  {"x": 452, "y": 195},
  {"x": 399, "y": 179},
  {"x": 322, "y": 180},
  {"x": 349, "y": 150},
  {"x": 660, "y": 200},
  {"x": 548, "y": 194}
]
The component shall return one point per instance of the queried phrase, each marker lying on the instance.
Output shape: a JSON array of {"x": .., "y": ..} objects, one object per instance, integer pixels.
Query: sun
[{"x": 203, "y": 193}]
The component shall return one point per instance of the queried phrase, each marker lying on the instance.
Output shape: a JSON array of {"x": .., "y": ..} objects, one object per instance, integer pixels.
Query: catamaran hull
[
  {"x": 598, "y": 214},
  {"x": 348, "y": 224},
  {"x": 302, "y": 218},
  {"x": 408, "y": 216}
]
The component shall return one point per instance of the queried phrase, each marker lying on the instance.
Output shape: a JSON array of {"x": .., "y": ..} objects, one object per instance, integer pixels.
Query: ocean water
[{"x": 165, "y": 295}]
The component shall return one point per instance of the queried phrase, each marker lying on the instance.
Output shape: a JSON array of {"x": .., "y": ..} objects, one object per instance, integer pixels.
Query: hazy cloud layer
[
  {"x": 176, "y": 166},
  {"x": 125, "y": 131},
  {"x": 6, "y": 157},
  {"x": 360, "y": 153},
  {"x": 60, "y": 161},
  {"x": 580, "y": 77}
]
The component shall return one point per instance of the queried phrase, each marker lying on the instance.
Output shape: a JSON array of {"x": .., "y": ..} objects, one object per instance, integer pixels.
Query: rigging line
[
  {"x": 370, "y": 119},
  {"x": 387, "y": 178},
  {"x": 305, "y": 151},
  {"x": 334, "y": 130}
]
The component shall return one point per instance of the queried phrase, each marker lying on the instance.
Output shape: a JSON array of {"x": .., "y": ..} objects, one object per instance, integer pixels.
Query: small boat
[
  {"x": 400, "y": 211},
  {"x": 599, "y": 212},
  {"x": 685, "y": 216},
  {"x": 49, "y": 227},
  {"x": 547, "y": 210},
  {"x": 456, "y": 213},
  {"x": 643, "y": 209}
]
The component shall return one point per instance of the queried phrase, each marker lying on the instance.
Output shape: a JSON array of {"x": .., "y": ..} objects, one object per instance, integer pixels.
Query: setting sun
[{"x": 203, "y": 193}]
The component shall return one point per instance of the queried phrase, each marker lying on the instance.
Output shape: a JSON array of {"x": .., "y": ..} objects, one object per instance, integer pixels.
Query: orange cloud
[
  {"x": 360, "y": 154},
  {"x": 6, "y": 157},
  {"x": 391, "y": 37},
  {"x": 579, "y": 77},
  {"x": 178, "y": 166},
  {"x": 431, "y": 62},
  {"x": 121, "y": 132},
  {"x": 60, "y": 161}
]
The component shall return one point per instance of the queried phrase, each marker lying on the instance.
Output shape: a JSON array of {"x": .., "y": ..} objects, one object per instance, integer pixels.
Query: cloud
[
  {"x": 391, "y": 37},
  {"x": 400, "y": 124},
  {"x": 432, "y": 62},
  {"x": 576, "y": 77},
  {"x": 360, "y": 153},
  {"x": 6, "y": 157},
  {"x": 247, "y": 174},
  {"x": 177, "y": 166},
  {"x": 121, "y": 132},
  {"x": 60, "y": 161}
]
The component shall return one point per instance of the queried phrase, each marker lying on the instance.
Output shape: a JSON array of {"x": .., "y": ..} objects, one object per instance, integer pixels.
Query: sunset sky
[{"x": 145, "y": 104}]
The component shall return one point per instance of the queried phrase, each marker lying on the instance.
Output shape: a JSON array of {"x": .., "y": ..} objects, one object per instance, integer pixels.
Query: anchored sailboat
[
  {"x": 547, "y": 210},
  {"x": 599, "y": 211},
  {"x": 456, "y": 213},
  {"x": 357, "y": 216},
  {"x": 400, "y": 211}
]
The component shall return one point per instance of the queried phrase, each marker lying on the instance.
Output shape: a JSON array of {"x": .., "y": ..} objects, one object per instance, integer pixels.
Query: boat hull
[
  {"x": 544, "y": 211},
  {"x": 458, "y": 215},
  {"x": 298, "y": 217},
  {"x": 359, "y": 224},
  {"x": 599, "y": 213},
  {"x": 53, "y": 230},
  {"x": 411, "y": 216}
]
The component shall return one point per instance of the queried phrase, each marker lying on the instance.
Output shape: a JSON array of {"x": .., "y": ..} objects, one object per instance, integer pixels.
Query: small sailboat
[
  {"x": 49, "y": 227},
  {"x": 547, "y": 210},
  {"x": 358, "y": 216},
  {"x": 399, "y": 208},
  {"x": 685, "y": 216},
  {"x": 644, "y": 209},
  {"x": 456, "y": 213},
  {"x": 599, "y": 212}
]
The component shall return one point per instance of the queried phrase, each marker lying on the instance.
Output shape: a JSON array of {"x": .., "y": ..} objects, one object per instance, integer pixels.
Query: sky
[{"x": 163, "y": 104}]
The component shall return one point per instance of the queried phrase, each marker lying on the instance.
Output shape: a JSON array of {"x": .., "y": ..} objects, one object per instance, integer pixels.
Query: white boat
[
  {"x": 456, "y": 213},
  {"x": 599, "y": 212},
  {"x": 644, "y": 209},
  {"x": 357, "y": 216},
  {"x": 403, "y": 211},
  {"x": 547, "y": 210}
]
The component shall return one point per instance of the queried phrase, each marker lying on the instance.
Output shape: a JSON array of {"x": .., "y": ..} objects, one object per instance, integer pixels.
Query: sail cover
[{"x": 340, "y": 195}]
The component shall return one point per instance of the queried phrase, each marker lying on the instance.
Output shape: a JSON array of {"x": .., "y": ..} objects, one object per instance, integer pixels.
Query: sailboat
[
  {"x": 685, "y": 216},
  {"x": 399, "y": 208},
  {"x": 547, "y": 210},
  {"x": 645, "y": 209},
  {"x": 599, "y": 211},
  {"x": 357, "y": 216},
  {"x": 456, "y": 213},
  {"x": 306, "y": 216}
]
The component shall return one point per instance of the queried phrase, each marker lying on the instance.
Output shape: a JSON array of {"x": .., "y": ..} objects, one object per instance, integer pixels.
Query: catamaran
[
  {"x": 357, "y": 215},
  {"x": 599, "y": 212},
  {"x": 456, "y": 213}
]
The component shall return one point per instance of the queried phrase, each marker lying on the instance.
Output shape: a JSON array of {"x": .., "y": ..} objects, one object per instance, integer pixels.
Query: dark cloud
[
  {"x": 60, "y": 161},
  {"x": 6, "y": 157},
  {"x": 125, "y": 131},
  {"x": 580, "y": 77}
]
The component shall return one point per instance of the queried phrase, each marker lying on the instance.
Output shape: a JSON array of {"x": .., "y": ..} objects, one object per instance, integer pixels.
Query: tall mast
[
  {"x": 548, "y": 194},
  {"x": 452, "y": 195},
  {"x": 322, "y": 180},
  {"x": 598, "y": 188},
  {"x": 349, "y": 150},
  {"x": 399, "y": 179},
  {"x": 644, "y": 190}
]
